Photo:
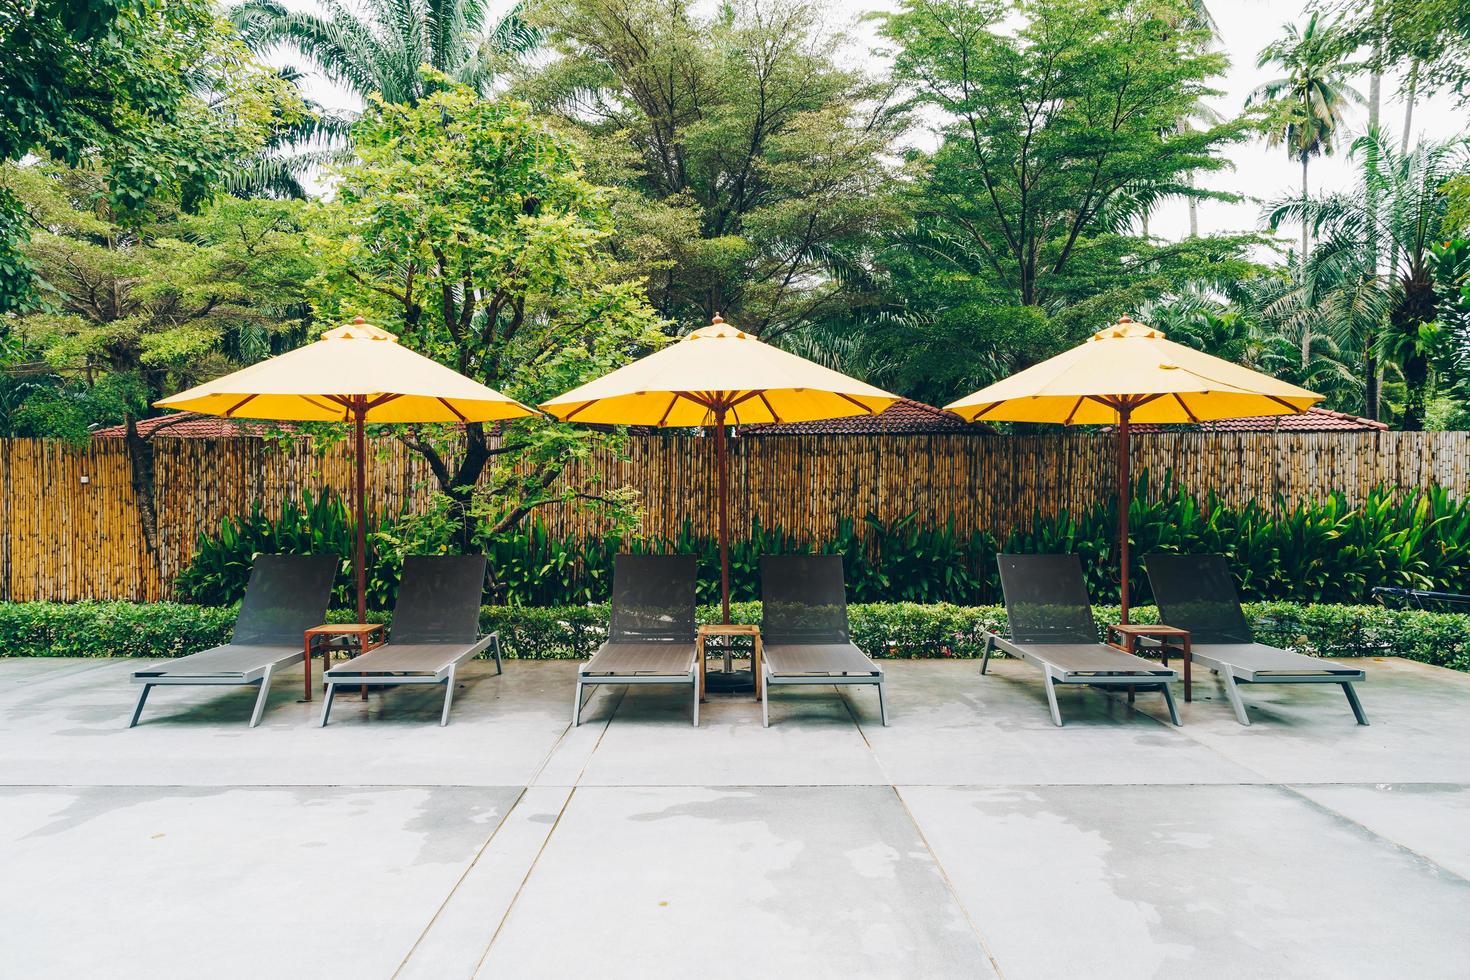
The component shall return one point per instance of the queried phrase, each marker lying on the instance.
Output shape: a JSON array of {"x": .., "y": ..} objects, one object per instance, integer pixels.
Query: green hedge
[{"x": 895, "y": 630}]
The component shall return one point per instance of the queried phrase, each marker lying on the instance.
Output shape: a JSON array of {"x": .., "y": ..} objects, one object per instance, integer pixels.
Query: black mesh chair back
[
  {"x": 287, "y": 595},
  {"x": 1046, "y": 599},
  {"x": 1197, "y": 593},
  {"x": 439, "y": 599},
  {"x": 803, "y": 599},
  {"x": 653, "y": 599}
]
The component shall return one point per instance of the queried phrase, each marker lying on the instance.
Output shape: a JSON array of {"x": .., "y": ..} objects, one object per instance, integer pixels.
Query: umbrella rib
[
  {"x": 310, "y": 400},
  {"x": 1073, "y": 413},
  {"x": 1282, "y": 401},
  {"x": 574, "y": 412},
  {"x": 986, "y": 410},
  {"x": 866, "y": 408},
  {"x": 665, "y": 416},
  {"x": 230, "y": 412},
  {"x": 769, "y": 407},
  {"x": 445, "y": 403},
  {"x": 381, "y": 400},
  {"x": 1191, "y": 415}
]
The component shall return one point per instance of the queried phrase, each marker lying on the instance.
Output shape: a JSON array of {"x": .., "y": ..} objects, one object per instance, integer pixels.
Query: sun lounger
[
  {"x": 286, "y": 596},
  {"x": 1197, "y": 593},
  {"x": 650, "y": 635},
  {"x": 1052, "y": 628},
  {"x": 436, "y": 628},
  {"x": 804, "y": 636}
]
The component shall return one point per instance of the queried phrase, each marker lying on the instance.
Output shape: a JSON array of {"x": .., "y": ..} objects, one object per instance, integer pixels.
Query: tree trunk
[
  {"x": 1193, "y": 211},
  {"x": 1306, "y": 244},
  {"x": 1371, "y": 385},
  {"x": 1409, "y": 95},
  {"x": 141, "y": 477}
]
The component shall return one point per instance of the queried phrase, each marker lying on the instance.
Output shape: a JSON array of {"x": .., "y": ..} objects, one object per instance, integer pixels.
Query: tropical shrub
[{"x": 1328, "y": 550}]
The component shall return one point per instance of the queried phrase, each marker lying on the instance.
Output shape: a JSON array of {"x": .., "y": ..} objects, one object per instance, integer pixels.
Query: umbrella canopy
[
  {"x": 355, "y": 373},
  {"x": 1129, "y": 373},
  {"x": 718, "y": 371},
  {"x": 717, "y": 376},
  {"x": 1131, "y": 369},
  {"x": 351, "y": 367}
]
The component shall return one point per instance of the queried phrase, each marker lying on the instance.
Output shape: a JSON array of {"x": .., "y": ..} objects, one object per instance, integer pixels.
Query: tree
[
  {"x": 758, "y": 167},
  {"x": 117, "y": 84},
  {"x": 1049, "y": 127},
  {"x": 1059, "y": 128},
  {"x": 1313, "y": 95},
  {"x": 467, "y": 227},
  {"x": 133, "y": 310},
  {"x": 378, "y": 47},
  {"x": 1431, "y": 36},
  {"x": 1402, "y": 199}
]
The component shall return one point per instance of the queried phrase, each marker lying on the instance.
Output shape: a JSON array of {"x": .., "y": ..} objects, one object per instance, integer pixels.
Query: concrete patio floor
[{"x": 971, "y": 838}]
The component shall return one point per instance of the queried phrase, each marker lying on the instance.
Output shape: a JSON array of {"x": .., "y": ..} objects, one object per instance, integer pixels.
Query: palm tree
[
  {"x": 1314, "y": 91},
  {"x": 381, "y": 48},
  {"x": 1403, "y": 295}
]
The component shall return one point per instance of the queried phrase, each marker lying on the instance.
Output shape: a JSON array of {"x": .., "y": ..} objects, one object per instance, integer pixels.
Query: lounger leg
[
  {"x": 448, "y": 697},
  {"x": 1357, "y": 706},
  {"x": 766, "y": 703},
  {"x": 498, "y": 668},
  {"x": 327, "y": 702},
  {"x": 577, "y": 703},
  {"x": 1051, "y": 699},
  {"x": 882, "y": 709},
  {"x": 1234, "y": 694},
  {"x": 260, "y": 699},
  {"x": 1169, "y": 701},
  {"x": 694, "y": 683},
  {"x": 144, "y": 697},
  {"x": 985, "y": 660}
]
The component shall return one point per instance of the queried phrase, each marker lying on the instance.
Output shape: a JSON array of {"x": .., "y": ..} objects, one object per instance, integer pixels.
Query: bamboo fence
[{"x": 71, "y": 530}]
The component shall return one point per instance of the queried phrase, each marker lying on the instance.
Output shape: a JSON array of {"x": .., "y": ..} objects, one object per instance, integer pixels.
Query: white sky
[{"x": 1259, "y": 173}]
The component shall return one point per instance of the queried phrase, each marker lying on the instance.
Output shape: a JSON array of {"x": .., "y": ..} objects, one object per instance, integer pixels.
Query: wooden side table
[
  {"x": 368, "y": 636},
  {"x": 730, "y": 629},
  {"x": 1130, "y": 632}
]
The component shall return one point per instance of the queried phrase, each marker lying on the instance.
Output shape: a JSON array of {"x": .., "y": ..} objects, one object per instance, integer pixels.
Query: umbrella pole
[
  {"x": 1124, "y": 479},
  {"x": 358, "y": 412},
  {"x": 722, "y": 464}
]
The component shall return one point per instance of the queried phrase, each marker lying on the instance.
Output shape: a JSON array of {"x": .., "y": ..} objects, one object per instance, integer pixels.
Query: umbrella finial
[{"x": 716, "y": 319}]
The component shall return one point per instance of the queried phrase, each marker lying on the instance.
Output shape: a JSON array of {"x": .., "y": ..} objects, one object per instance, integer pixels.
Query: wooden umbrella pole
[
  {"x": 359, "y": 410},
  {"x": 722, "y": 464},
  {"x": 1124, "y": 479}
]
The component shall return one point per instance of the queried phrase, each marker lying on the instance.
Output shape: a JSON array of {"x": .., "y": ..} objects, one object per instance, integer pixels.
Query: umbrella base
[{"x": 729, "y": 682}]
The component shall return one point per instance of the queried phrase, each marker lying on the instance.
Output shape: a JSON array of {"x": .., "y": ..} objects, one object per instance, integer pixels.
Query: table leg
[
  {"x": 306, "y": 646},
  {"x": 699, "y": 655},
  {"x": 1128, "y": 647},
  {"x": 755, "y": 666},
  {"x": 361, "y": 649},
  {"x": 1188, "y": 692}
]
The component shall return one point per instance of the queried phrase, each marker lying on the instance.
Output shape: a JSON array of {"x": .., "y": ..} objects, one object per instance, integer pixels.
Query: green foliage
[
  {"x": 378, "y": 48},
  {"x": 755, "y": 164},
  {"x": 1321, "y": 551},
  {"x": 321, "y": 525},
  {"x": 111, "y": 629},
  {"x": 467, "y": 227},
  {"x": 899, "y": 630},
  {"x": 158, "y": 96},
  {"x": 133, "y": 310}
]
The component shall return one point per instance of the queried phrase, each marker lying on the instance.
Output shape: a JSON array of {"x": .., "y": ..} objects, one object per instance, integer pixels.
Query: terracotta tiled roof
[
  {"x": 903, "y": 417},
  {"x": 192, "y": 426},
  {"x": 1312, "y": 420}
]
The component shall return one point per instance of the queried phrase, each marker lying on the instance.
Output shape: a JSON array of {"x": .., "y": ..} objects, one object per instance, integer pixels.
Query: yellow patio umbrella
[
  {"x": 1130, "y": 373},
  {"x": 717, "y": 376},
  {"x": 356, "y": 373}
]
